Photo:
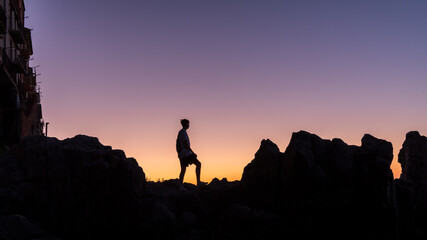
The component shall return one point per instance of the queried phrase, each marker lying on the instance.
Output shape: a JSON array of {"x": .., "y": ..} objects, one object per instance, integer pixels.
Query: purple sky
[{"x": 240, "y": 70}]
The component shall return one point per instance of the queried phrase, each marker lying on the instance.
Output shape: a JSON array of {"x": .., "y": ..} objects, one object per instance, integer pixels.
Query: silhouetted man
[{"x": 185, "y": 153}]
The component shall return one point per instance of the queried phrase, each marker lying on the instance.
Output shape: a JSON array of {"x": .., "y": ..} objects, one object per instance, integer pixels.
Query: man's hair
[{"x": 184, "y": 122}]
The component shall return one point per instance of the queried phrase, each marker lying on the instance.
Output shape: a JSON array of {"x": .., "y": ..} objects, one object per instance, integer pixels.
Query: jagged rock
[
  {"x": 372, "y": 172},
  {"x": 411, "y": 188},
  {"x": 218, "y": 183},
  {"x": 262, "y": 178},
  {"x": 326, "y": 181},
  {"x": 266, "y": 168},
  {"x": 75, "y": 187},
  {"x": 317, "y": 189},
  {"x": 315, "y": 167},
  {"x": 413, "y": 157}
]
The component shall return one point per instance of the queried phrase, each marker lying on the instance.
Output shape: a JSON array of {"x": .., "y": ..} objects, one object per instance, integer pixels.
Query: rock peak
[
  {"x": 413, "y": 157},
  {"x": 413, "y": 134}
]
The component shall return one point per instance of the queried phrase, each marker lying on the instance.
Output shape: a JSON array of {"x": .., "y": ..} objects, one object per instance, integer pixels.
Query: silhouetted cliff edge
[{"x": 320, "y": 189}]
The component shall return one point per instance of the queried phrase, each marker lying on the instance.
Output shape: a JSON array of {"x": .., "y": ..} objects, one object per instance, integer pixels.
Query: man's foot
[{"x": 201, "y": 184}]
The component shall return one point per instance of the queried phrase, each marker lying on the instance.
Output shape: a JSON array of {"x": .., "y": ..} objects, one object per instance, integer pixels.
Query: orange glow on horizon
[
  {"x": 251, "y": 72},
  {"x": 160, "y": 162}
]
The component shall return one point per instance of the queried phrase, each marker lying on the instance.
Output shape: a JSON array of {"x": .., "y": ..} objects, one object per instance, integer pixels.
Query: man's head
[{"x": 185, "y": 123}]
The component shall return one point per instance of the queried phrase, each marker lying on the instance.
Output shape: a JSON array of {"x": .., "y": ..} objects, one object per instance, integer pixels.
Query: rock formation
[
  {"x": 413, "y": 158},
  {"x": 76, "y": 187},
  {"x": 263, "y": 177},
  {"x": 411, "y": 188},
  {"x": 317, "y": 189},
  {"x": 329, "y": 182},
  {"x": 266, "y": 168}
]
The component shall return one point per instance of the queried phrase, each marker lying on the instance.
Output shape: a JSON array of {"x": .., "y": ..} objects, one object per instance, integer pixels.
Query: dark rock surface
[
  {"x": 215, "y": 211},
  {"x": 266, "y": 168},
  {"x": 413, "y": 158},
  {"x": 316, "y": 189},
  {"x": 319, "y": 183},
  {"x": 411, "y": 188},
  {"x": 76, "y": 187},
  {"x": 18, "y": 227},
  {"x": 263, "y": 177}
]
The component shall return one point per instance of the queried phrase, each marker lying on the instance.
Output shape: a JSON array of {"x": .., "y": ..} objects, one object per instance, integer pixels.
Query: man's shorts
[{"x": 192, "y": 159}]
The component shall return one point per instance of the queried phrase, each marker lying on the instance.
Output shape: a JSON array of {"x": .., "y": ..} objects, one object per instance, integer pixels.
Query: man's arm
[{"x": 187, "y": 146}]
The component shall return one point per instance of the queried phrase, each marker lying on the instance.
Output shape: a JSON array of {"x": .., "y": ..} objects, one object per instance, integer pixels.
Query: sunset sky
[{"x": 240, "y": 70}]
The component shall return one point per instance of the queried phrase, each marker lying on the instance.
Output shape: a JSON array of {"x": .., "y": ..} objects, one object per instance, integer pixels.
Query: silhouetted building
[{"x": 20, "y": 108}]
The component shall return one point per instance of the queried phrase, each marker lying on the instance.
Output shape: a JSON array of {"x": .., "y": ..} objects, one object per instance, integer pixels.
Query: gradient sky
[{"x": 241, "y": 71}]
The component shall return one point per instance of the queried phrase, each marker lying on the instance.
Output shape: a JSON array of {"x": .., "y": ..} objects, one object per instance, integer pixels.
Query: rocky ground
[{"x": 319, "y": 189}]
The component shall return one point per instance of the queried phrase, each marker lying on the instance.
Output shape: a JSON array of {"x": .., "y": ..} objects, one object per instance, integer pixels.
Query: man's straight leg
[{"x": 181, "y": 175}]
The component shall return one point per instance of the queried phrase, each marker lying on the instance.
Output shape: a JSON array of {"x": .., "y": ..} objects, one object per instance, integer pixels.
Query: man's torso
[{"x": 184, "y": 142}]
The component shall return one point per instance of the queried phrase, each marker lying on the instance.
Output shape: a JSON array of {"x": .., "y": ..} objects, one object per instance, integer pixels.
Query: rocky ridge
[{"x": 321, "y": 189}]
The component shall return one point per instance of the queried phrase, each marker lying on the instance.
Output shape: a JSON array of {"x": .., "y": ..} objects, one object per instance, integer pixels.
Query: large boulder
[
  {"x": 74, "y": 188},
  {"x": 266, "y": 168},
  {"x": 318, "y": 183},
  {"x": 412, "y": 187},
  {"x": 330, "y": 183},
  {"x": 314, "y": 168},
  {"x": 314, "y": 165},
  {"x": 262, "y": 178},
  {"x": 318, "y": 168},
  {"x": 413, "y": 157},
  {"x": 372, "y": 176}
]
